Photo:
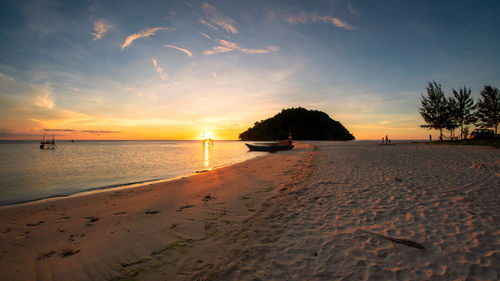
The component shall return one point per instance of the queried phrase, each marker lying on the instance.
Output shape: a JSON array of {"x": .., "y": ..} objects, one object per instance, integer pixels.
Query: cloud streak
[
  {"x": 208, "y": 24},
  {"x": 188, "y": 53},
  {"x": 44, "y": 100},
  {"x": 141, "y": 34},
  {"x": 24, "y": 93},
  {"x": 100, "y": 29},
  {"x": 308, "y": 18},
  {"x": 58, "y": 130},
  {"x": 81, "y": 131},
  {"x": 352, "y": 10},
  {"x": 216, "y": 18},
  {"x": 100, "y": 132},
  {"x": 163, "y": 76},
  {"x": 227, "y": 46},
  {"x": 205, "y": 35}
]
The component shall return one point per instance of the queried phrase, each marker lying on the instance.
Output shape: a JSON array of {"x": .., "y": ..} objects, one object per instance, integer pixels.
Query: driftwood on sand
[{"x": 403, "y": 241}]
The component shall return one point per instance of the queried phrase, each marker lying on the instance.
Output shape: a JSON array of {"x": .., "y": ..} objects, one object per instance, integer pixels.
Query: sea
[{"x": 28, "y": 173}]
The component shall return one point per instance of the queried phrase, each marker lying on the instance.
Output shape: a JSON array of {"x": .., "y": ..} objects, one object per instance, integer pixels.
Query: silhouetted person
[{"x": 430, "y": 138}]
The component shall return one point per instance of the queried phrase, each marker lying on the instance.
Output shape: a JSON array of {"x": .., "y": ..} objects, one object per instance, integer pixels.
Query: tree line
[{"x": 459, "y": 110}]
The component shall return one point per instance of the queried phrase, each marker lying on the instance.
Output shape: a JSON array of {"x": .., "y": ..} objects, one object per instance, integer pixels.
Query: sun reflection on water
[{"x": 207, "y": 148}]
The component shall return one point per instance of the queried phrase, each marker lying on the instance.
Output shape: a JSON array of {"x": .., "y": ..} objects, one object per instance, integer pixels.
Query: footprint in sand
[
  {"x": 91, "y": 220},
  {"x": 69, "y": 252},
  {"x": 184, "y": 207},
  {"x": 35, "y": 224},
  {"x": 208, "y": 198},
  {"x": 48, "y": 254}
]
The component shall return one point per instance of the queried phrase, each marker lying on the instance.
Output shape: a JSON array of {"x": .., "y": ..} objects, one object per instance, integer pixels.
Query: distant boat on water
[{"x": 47, "y": 144}]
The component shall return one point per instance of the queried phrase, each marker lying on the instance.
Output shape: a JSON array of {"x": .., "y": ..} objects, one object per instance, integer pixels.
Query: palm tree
[
  {"x": 488, "y": 108},
  {"x": 464, "y": 108},
  {"x": 434, "y": 108}
]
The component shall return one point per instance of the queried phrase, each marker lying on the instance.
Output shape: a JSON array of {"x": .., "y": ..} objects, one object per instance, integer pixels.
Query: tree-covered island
[{"x": 302, "y": 123}]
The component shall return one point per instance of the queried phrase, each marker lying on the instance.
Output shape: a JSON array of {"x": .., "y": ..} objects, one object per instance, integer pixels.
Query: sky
[{"x": 178, "y": 69}]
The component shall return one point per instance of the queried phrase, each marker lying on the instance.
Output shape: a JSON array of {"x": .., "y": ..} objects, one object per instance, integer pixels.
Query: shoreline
[
  {"x": 119, "y": 186},
  {"x": 88, "y": 236},
  {"x": 136, "y": 184}
]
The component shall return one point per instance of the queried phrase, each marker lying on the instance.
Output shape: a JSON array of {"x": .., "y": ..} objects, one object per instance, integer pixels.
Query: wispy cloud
[
  {"x": 205, "y": 35},
  {"x": 58, "y": 130},
  {"x": 93, "y": 7},
  {"x": 215, "y": 17},
  {"x": 141, "y": 34},
  {"x": 82, "y": 131},
  {"x": 227, "y": 46},
  {"x": 308, "y": 18},
  {"x": 44, "y": 100},
  {"x": 180, "y": 49},
  {"x": 351, "y": 9},
  {"x": 163, "y": 76},
  {"x": 24, "y": 94},
  {"x": 171, "y": 15},
  {"x": 6, "y": 77},
  {"x": 208, "y": 24},
  {"x": 100, "y": 132},
  {"x": 100, "y": 29},
  {"x": 134, "y": 91},
  {"x": 19, "y": 134},
  {"x": 188, "y": 4}
]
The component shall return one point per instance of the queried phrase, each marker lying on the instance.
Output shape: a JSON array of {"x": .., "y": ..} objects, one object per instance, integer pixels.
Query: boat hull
[{"x": 270, "y": 148}]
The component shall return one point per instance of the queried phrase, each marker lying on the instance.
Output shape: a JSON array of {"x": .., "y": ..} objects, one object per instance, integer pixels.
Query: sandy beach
[{"x": 323, "y": 211}]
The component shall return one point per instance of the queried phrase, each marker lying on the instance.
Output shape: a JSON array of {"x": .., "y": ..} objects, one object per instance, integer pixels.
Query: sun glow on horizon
[{"x": 207, "y": 135}]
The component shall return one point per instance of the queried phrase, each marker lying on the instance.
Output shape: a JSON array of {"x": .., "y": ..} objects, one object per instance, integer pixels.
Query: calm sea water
[{"x": 30, "y": 173}]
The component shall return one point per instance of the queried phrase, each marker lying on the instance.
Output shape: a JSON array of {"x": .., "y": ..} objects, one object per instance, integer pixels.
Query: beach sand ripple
[{"x": 443, "y": 197}]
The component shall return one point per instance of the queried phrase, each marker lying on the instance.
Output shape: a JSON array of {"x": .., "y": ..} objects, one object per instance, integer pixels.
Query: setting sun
[{"x": 207, "y": 135}]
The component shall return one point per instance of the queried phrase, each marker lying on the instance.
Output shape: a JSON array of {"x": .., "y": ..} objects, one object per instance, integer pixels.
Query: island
[{"x": 304, "y": 124}]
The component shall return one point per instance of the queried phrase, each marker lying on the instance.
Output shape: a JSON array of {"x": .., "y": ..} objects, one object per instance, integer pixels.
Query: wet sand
[{"x": 324, "y": 211}]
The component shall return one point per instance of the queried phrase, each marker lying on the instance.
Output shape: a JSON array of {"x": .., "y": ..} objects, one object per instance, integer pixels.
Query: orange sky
[{"x": 179, "y": 68}]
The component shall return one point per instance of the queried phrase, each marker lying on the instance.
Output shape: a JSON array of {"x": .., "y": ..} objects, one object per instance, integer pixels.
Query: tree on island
[
  {"x": 488, "y": 108},
  {"x": 304, "y": 125}
]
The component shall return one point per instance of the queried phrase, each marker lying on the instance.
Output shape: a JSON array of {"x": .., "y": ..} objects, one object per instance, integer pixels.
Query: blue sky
[{"x": 171, "y": 69}]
